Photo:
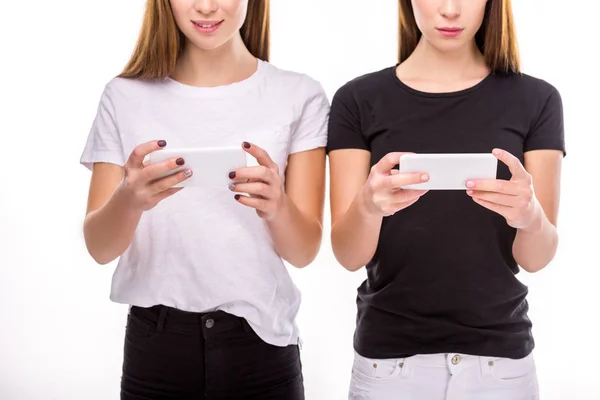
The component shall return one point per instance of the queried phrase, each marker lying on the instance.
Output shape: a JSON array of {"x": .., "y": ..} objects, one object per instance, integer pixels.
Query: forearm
[
  {"x": 535, "y": 247},
  {"x": 109, "y": 230},
  {"x": 355, "y": 235},
  {"x": 296, "y": 236}
]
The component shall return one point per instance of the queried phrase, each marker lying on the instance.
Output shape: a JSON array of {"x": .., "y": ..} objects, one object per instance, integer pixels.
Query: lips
[
  {"x": 207, "y": 24},
  {"x": 450, "y": 29}
]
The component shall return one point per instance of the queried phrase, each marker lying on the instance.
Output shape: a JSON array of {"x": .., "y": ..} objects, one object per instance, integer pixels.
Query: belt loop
[{"x": 161, "y": 319}]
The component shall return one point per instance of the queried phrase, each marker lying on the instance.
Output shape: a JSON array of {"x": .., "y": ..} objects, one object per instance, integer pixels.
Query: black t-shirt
[{"x": 442, "y": 279}]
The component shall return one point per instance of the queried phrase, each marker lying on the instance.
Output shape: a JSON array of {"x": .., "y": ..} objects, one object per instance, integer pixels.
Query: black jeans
[{"x": 172, "y": 354}]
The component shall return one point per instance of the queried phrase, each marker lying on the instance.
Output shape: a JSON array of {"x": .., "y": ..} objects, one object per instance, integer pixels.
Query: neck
[
  {"x": 230, "y": 63},
  {"x": 429, "y": 62}
]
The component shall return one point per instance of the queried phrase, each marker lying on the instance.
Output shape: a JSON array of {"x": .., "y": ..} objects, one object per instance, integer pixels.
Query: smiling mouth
[{"x": 207, "y": 25}]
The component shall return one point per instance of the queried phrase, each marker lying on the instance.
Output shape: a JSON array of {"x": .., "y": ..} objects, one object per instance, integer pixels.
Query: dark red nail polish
[
  {"x": 232, "y": 175},
  {"x": 246, "y": 145},
  {"x": 237, "y": 196},
  {"x": 162, "y": 143},
  {"x": 180, "y": 161}
]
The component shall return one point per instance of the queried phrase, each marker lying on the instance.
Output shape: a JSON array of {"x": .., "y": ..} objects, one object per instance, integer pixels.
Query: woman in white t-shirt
[{"x": 212, "y": 304}]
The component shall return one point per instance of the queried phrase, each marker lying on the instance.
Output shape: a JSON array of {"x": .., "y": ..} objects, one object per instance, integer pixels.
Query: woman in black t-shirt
[{"x": 442, "y": 314}]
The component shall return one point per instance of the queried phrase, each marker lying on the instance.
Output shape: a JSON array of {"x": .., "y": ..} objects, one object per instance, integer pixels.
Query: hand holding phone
[
  {"x": 383, "y": 193},
  {"x": 262, "y": 183},
  {"x": 147, "y": 185},
  {"x": 514, "y": 199}
]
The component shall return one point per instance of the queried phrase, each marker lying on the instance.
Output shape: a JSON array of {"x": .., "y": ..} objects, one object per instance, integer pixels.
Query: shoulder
[
  {"x": 528, "y": 86},
  {"x": 302, "y": 85},
  {"x": 365, "y": 85},
  {"x": 120, "y": 85},
  {"x": 128, "y": 88}
]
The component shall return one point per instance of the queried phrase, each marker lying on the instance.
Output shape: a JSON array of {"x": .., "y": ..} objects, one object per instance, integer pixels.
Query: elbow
[
  {"x": 352, "y": 267},
  {"x": 537, "y": 261},
  {"x": 307, "y": 257},
  {"x": 532, "y": 267},
  {"x": 98, "y": 257},
  {"x": 349, "y": 263}
]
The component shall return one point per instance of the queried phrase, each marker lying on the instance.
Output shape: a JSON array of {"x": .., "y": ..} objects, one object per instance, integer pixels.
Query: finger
[
  {"x": 497, "y": 208},
  {"x": 260, "y": 154},
  {"x": 494, "y": 185},
  {"x": 158, "y": 197},
  {"x": 255, "y": 174},
  {"x": 396, "y": 181},
  {"x": 389, "y": 161},
  {"x": 168, "y": 182},
  {"x": 253, "y": 188},
  {"x": 136, "y": 158},
  {"x": 155, "y": 171},
  {"x": 497, "y": 198},
  {"x": 252, "y": 202},
  {"x": 517, "y": 169}
]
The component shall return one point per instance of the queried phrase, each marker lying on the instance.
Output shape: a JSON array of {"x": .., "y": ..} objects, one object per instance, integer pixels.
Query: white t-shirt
[{"x": 200, "y": 250}]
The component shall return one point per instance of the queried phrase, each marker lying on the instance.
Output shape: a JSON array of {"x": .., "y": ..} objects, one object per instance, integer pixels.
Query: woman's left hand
[
  {"x": 263, "y": 184},
  {"x": 515, "y": 199}
]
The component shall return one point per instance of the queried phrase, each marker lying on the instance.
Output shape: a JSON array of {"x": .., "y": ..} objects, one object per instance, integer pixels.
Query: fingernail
[
  {"x": 187, "y": 173},
  {"x": 237, "y": 197},
  {"x": 470, "y": 184},
  {"x": 470, "y": 192},
  {"x": 162, "y": 143},
  {"x": 232, "y": 175},
  {"x": 425, "y": 177},
  {"x": 232, "y": 187},
  {"x": 180, "y": 161},
  {"x": 246, "y": 145},
  {"x": 497, "y": 152}
]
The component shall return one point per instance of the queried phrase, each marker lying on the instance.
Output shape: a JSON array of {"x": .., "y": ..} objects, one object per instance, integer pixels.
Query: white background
[{"x": 60, "y": 336}]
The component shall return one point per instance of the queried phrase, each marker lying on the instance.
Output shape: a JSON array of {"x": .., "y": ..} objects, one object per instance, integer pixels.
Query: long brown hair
[
  {"x": 160, "y": 42},
  {"x": 496, "y": 39}
]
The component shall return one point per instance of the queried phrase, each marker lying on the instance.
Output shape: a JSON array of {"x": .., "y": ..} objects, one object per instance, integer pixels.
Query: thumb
[{"x": 389, "y": 161}]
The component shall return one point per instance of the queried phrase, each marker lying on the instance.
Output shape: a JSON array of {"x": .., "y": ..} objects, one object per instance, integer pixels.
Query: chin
[
  {"x": 449, "y": 46},
  {"x": 209, "y": 45}
]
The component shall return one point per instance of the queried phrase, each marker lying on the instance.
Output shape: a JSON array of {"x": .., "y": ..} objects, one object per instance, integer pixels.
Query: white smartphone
[
  {"x": 210, "y": 165},
  {"x": 449, "y": 171}
]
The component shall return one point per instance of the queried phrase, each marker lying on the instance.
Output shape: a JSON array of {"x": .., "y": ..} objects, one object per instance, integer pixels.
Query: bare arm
[
  {"x": 294, "y": 215},
  {"x": 297, "y": 230},
  {"x": 117, "y": 198},
  {"x": 354, "y": 232},
  {"x": 360, "y": 199},
  {"x": 528, "y": 202},
  {"x": 110, "y": 221},
  {"x": 535, "y": 247}
]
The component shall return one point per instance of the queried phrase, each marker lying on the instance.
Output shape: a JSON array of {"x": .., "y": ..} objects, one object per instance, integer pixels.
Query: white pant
[{"x": 444, "y": 377}]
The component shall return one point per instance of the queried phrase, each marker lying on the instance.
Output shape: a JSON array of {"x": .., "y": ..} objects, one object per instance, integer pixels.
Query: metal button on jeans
[
  {"x": 209, "y": 323},
  {"x": 456, "y": 359}
]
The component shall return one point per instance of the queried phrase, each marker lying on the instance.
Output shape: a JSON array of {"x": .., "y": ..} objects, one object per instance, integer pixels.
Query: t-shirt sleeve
[
  {"x": 311, "y": 131},
  {"x": 344, "y": 131},
  {"x": 547, "y": 132},
  {"x": 103, "y": 142}
]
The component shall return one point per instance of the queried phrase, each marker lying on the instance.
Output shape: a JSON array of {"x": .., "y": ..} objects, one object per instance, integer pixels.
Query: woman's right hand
[
  {"x": 142, "y": 184},
  {"x": 383, "y": 194}
]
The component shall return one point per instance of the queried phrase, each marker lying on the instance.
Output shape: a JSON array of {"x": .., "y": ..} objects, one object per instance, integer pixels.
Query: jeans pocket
[
  {"x": 514, "y": 372},
  {"x": 139, "y": 328},
  {"x": 374, "y": 370}
]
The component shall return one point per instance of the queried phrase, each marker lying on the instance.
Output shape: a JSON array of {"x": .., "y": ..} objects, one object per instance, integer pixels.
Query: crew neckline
[
  {"x": 223, "y": 90},
  {"x": 482, "y": 83}
]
